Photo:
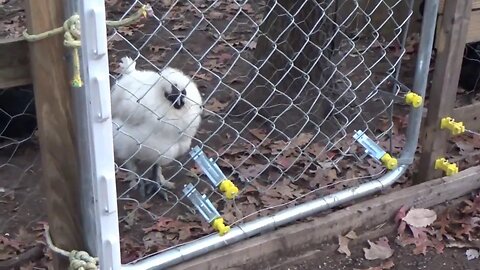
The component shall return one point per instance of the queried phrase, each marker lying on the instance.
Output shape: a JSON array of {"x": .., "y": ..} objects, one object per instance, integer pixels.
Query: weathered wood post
[
  {"x": 450, "y": 46},
  {"x": 59, "y": 152}
]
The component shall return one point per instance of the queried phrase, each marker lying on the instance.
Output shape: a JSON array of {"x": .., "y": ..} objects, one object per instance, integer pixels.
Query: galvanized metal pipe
[
  {"x": 421, "y": 78},
  {"x": 243, "y": 231}
]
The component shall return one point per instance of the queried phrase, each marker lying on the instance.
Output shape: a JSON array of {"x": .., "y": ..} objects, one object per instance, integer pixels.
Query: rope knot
[
  {"x": 71, "y": 27},
  {"x": 81, "y": 260},
  {"x": 147, "y": 11},
  {"x": 72, "y": 35},
  {"x": 72, "y": 39}
]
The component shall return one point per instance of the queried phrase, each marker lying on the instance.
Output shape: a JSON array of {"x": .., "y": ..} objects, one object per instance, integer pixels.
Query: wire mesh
[
  {"x": 283, "y": 84},
  {"x": 21, "y": 198},
  {"x": 469, "y": 73}
]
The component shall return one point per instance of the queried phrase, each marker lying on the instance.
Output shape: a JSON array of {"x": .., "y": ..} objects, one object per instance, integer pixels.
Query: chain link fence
[{"x": 272, "y": 91}]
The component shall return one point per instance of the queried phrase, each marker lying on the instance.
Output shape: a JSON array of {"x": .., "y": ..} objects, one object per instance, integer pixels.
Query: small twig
[
  {"x": 465, "y": 156},
  {"x": 33, "y": 254},
  {"x": 9, "y": 12}
]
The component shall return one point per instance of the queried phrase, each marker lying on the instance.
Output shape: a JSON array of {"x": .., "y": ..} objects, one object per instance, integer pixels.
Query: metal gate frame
[{"x": 100, "y": 205}]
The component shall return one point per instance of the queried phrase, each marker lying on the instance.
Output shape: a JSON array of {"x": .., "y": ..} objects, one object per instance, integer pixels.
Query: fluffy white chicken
[{"x": 155, "y": 117}]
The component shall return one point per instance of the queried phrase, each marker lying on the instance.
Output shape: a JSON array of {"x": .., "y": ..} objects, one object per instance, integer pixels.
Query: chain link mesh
[{"x": 284, "y": 85}]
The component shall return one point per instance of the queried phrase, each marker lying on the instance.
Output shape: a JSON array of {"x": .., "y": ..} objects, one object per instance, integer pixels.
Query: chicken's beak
[
  {"x": 175, "y": 91},
  {"x": 176, "y": 97},
  {"x": 178, "y": 94}
]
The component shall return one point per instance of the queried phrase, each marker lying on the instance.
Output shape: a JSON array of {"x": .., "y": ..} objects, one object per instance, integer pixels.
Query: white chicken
[{"x": 155, "y": 117}]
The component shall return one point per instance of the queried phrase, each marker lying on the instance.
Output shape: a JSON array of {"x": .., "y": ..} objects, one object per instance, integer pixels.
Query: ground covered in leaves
[{"x": 424, "y": 239}]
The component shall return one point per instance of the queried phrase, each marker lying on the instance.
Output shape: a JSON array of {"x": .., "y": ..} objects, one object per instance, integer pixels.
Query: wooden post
[
  {"x": 14, "y": 63},
  {"x": 59, "y": 153},
  {"x": 450, "y": 47}
]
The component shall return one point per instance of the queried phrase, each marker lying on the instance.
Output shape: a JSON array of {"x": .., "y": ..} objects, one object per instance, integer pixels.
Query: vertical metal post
[
  {"x": 93, "y": 106},
  {"x": 429, "y": 24}
]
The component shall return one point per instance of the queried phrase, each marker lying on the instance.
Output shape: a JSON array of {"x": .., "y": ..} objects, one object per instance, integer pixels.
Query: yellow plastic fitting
[
  {"x": 449, "y": 123},
  {"x": 447, "y": 167},
  {"x": 413, "y": 99},
  {"x": 219, "y": 226},
  {"x": 389, "y": 161},
  {"x": 229, "y": 189}
]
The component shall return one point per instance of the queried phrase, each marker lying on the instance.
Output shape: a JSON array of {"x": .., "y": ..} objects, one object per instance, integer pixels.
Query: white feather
[{"x": 146, "y": 125}]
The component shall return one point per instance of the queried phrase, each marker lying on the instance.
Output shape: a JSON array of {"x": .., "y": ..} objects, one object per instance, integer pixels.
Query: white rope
[{"x": 79, "y": 260}]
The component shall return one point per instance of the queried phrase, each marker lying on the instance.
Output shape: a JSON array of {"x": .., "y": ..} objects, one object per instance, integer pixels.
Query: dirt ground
[
  {"x": 325, "y": 257},
  {"x": 149, "y": 225},
  {"x": 448, "y": 254}
]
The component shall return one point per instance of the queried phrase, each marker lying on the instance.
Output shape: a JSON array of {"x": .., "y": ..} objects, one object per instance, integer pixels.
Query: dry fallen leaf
[
  {"x": 420, "y": 218},
  {"x": 167, "y": 3},
  {"x": 384, "y": 266},
  {"x": 472, "y": 254},
  {"x": 125, "y": 30},
  {"x": 472, "y": 207},
  {"x": 252, "y": 172},
  {"x": 351, "y": 235},
  {"x": 343, "y": 242},
  {"x": 157, "y": 48},
  {"x": 421, "y": 240},
  {"x": 203, "y": 76},
  {"x": 29, "y": 266},
  {"x": 380, "y": 250},
  {"x": 180, "y": 26},
  {"x": 215, "y": 105},
  {"x": 302, "y": 139},
  {"x": 343, "y": 245},
  {"x": 402, "y": 212},
  {"x": 131, "y": 250},
  {"x": 249, "y": 45},
  {"x": 215, "y": 15},
  {"x": 458, "y": 244},
  {"x": 259, "y": 133},
  {"x": 111, "y": 2}
]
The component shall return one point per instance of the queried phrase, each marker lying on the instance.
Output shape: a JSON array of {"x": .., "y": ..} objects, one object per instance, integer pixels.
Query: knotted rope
[{"x": 71, "y": 30}]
